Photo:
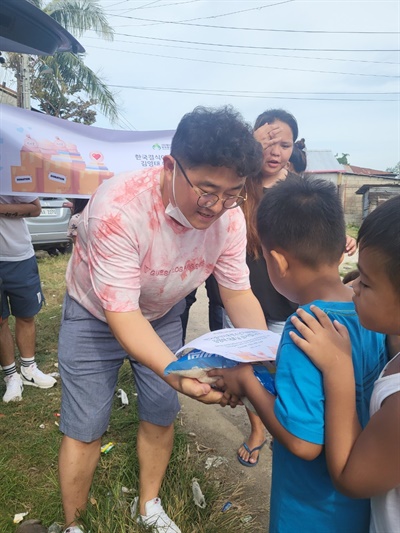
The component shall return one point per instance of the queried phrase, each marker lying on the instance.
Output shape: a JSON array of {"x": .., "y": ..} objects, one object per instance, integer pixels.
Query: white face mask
[{"x": 175, "y": 212}]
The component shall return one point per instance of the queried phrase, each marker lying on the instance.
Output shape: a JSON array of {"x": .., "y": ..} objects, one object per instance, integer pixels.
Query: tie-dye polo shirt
[{"x": 130, "y": 255}]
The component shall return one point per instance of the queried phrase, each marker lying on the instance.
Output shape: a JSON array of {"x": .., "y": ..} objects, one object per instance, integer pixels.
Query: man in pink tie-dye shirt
[{"x": 145, "y": 241}]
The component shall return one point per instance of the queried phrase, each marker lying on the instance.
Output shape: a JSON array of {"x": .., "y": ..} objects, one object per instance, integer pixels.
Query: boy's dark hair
[
  {"x": 217, "y": 137},
  {"x": 381, "y": 231},
  {"x": 303, "y": 216}
]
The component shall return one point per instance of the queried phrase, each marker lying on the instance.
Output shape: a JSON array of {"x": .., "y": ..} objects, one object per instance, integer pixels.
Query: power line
[
  {"x": 242, "y": 28},
  {"x": 240, "y": 11},
  {"x": 118, "y": 3},
  {"x": 353, "y": 93},
  {"x": 154, "y": 23},
  {"x": 165, "y": 5},
  {"x": 141, "y": 7},
  {"x": 239, "y": 94},
  {"x": 124, "y": 122},
  {"x": 151, "y": 6},
  {"x": 254, "y": 47},
  {"x": 256, "y": 66},
  {"x": 244, "y": 53}
]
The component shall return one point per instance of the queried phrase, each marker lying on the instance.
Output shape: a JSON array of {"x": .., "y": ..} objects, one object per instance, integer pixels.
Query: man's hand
[{"x": 194, "y": 389}]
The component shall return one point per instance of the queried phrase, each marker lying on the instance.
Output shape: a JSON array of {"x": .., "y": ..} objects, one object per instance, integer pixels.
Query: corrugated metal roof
[
  {"x": 362, "y": 171},
  {"x": 322, "y": 161}
]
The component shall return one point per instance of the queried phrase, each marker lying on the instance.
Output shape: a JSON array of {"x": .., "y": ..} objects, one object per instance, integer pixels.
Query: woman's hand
[
  {"x": 267, "y": 135},
  {"x": 351, "y": 245},
  {"x": 326, "y": 343}
]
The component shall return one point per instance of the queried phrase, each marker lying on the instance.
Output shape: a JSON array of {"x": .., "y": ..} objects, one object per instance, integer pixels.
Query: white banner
[{"x": 48, "y": 156}]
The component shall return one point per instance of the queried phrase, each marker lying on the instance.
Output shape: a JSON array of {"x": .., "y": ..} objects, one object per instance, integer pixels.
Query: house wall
[
  {"x": 376, "y": 196},
  {"x": 347, "y": 185},
  {"x": 7, "y": 98},
  {"x": 352, "y": 202}
]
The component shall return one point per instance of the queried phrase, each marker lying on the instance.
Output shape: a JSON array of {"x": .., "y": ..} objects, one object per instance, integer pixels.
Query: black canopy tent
[{"x": 26, "y": 29}]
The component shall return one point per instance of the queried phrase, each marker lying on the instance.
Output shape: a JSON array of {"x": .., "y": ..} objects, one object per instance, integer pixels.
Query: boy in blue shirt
[{"x": 302, "y": 233}]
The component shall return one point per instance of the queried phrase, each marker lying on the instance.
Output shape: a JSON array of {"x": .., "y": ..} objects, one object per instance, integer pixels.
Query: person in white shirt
[{"x": 21, "y": 296}]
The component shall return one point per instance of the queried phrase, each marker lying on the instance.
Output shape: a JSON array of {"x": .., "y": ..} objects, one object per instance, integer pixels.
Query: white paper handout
[{"x": 238, "y": 344}]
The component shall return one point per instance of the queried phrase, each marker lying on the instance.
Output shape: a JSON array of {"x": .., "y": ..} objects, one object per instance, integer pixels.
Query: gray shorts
[{"x": 89, "y": 360}]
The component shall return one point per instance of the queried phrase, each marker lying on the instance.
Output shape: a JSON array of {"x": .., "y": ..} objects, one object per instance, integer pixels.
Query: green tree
[
  {"x": 395, "y": 169},
  {"x": 66, "y": 73},
  {"x": 342, "y": 159}
]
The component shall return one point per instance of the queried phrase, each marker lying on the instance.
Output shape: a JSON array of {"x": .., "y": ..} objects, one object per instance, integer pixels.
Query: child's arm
[
  {"x": 241, "y": 381},
  {"x": 361, "y": 464}
]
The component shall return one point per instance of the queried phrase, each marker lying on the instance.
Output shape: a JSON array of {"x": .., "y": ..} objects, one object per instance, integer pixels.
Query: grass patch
[
  {"x": 352, "y": 230},
  {"x": 30, "y": 440}
]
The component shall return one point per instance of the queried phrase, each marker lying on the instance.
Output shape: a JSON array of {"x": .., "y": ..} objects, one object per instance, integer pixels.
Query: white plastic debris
[
  {"x": 198, "y": 496},
  {"x": 134, "y": 506},
  {"x": 55, "y": 528},
  {"x": 19, "y": 517},
  {"x": 42, "y": 426},
  {"x": 121, "y": 394},
  {"x": 125, "y": 490},
  {"x": 215, "y": 461}
]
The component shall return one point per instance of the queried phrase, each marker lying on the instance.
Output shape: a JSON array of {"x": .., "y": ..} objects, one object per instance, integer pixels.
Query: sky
[{"x": 335, "y": 65}]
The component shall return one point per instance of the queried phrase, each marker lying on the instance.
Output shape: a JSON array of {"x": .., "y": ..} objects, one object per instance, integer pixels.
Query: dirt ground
[{"x": 223, "y": 430}]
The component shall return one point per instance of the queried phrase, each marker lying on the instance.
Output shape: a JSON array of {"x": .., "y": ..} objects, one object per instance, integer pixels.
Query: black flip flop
[{"x": 257, "y": 448}]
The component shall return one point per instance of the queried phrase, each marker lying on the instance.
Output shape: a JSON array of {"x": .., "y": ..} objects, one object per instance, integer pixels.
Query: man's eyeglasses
[{"x": 208, "y": 199}]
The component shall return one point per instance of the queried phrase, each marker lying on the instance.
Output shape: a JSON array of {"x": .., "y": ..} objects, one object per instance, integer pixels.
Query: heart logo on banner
[{"x": 96, "y": 155}]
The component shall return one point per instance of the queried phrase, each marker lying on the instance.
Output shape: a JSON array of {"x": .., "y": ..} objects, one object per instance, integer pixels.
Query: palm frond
[
  {"x": 78, "y": 16},
  {"x": 37, "y": 3},
  {"x": 72, "y": 70}
]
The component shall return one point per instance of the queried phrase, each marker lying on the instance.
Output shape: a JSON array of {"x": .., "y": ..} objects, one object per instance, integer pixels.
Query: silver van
[{"x": 49, "y": 230}]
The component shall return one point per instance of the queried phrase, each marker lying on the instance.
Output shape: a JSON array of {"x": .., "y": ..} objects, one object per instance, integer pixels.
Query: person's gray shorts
[{"x": 89, "y": 360}]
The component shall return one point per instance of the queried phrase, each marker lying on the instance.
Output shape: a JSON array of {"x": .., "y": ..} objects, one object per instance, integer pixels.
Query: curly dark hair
[{"x": 217, "y": 137}]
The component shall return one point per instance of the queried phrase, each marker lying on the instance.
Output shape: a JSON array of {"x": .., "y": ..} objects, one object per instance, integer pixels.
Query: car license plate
[{"x": 46, "y": 211}]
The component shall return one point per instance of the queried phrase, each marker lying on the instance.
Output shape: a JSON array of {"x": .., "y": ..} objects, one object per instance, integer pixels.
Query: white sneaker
[
  {"x": 73, "y": 529},
  {"x": 14, "y": 388},
  {"x": 31, "y": 375},
  {"x": 155, "y": 517}
]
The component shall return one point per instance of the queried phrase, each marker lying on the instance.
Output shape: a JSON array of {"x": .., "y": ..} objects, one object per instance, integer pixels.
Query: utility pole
[{"x": 24, "y": 83}]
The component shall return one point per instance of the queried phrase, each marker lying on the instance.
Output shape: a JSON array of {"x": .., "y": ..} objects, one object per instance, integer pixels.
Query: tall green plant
[{"x": 67, "y": 70}]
